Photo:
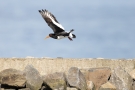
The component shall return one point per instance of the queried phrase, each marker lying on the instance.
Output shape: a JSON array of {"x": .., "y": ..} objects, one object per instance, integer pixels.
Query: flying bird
[{"x": 58, "y": 29}]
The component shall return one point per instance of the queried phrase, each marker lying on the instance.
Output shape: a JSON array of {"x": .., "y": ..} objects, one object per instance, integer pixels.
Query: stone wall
[
  {"x": 51, "y": 65},
  {"x": 67, "y": 74}
]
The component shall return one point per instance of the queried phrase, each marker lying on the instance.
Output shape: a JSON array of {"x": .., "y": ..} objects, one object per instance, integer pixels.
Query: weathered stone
[
  {"x": 133, "y": 85},
  {"x": 107, "y": 86},
  {"x": 12, "y": 77},
  {"x": 43, "y": 88},
  {"x": 76, "y": 79},
  {"x": 55, "y": 81},
  {"x": 69, "y": 88},
  {"x": 98, "y": 76},
  {"x": 121, "y": 79},
  {"x": 24, "y": 89},
  {"x": 34, "y": 80},
  {"x": 132, "y": 74},
  {"x": 90, "y": 85},
  {"x": 60, "y": 65}
]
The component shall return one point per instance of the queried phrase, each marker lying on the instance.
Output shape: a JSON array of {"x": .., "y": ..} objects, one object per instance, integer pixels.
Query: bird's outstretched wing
[{"x": 51, "y": 21}]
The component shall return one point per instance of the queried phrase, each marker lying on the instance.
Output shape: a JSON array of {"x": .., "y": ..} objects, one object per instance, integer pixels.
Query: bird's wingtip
[{"x": 43, "y": 10}]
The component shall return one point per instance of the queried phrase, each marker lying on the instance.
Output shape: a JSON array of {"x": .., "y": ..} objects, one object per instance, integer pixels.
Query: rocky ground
[{"x": 75, "y": 78}]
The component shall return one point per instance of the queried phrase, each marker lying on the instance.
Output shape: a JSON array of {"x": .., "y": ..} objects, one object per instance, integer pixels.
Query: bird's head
[{"x": 51, "y": 35}]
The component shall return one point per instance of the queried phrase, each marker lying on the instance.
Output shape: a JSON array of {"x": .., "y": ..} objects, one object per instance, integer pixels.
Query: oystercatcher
[{"x": 58, "y": 29}]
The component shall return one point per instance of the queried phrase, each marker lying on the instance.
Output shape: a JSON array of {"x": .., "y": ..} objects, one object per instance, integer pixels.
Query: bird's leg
[{"x": 70, "y": 39}]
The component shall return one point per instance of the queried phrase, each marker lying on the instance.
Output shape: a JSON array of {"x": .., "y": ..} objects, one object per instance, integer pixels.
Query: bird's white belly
[{"x": 61, "y": 37}]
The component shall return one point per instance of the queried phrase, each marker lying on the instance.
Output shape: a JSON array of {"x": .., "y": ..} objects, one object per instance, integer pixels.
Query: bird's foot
[{"x": 70, "y": 39}]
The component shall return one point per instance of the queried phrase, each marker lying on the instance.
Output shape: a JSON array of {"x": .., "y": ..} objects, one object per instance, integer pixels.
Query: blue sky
[{"x": 103, "y": 29}]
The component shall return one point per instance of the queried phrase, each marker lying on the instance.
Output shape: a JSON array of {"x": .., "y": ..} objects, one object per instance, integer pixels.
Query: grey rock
[
  {"x": 55, "y": 81},
  {"x": 98, "y": 76},
  {"x": 69, "y": 88},
  {"x": 90, "y": 85},
  {"x": 43, "y": 88},
  {"x": 133, "y": 85},
  {"x": 121, "y": 79},
  {"x": 107, "y": 86},
  {"x": 24, "y": 89},
  {"x": 12, "y": 77},
  {"x": 132, "y": 74},
  {"x": 34, "y": 80},
  {"x": 76, "y": 79}
]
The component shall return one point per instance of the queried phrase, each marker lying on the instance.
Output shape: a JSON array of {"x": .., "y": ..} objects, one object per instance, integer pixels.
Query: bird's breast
[{"x": 61, "y": 37}]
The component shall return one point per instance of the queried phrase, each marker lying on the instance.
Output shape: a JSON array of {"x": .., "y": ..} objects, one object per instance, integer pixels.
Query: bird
[{"x": 58, "y": 29}]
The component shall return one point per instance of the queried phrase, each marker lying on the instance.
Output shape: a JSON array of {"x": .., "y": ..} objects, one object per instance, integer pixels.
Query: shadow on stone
[
  {"x": 45, "y": 87},
  {"x": 5, "y": 86}
]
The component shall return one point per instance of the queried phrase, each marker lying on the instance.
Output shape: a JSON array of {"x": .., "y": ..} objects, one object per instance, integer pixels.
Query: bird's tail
[{"x": 71, "y": 35}]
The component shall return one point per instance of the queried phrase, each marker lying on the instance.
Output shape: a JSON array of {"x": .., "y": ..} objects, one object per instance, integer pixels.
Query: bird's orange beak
[{"x": 47, "y": 37}]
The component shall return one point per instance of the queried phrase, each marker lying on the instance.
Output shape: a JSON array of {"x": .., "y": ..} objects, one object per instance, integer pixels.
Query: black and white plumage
[{"x": 57, "y": 28}]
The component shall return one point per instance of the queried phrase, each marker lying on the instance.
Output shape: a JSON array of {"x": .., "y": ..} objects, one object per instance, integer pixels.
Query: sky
[{"x": 103, "y": 29}]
